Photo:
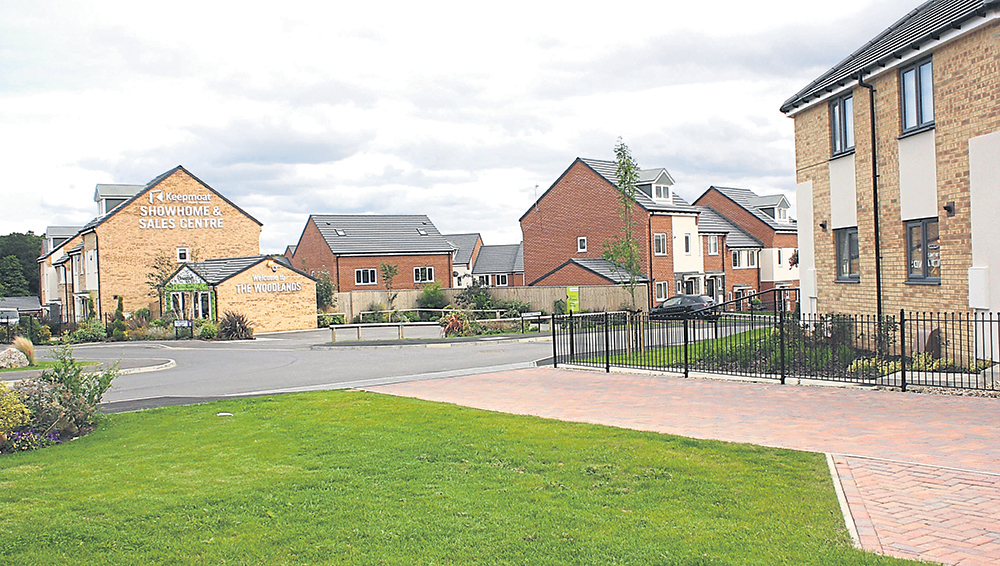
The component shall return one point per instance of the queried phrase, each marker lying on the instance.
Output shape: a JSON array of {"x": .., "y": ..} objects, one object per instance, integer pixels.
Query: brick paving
[{"x": 921, "y": 473}]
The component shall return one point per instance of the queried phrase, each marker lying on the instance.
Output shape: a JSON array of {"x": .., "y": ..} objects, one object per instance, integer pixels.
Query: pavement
[{"x": 918, "y": 474}]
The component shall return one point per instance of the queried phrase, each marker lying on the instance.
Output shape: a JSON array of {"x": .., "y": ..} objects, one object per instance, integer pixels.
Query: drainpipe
[
  {"x": 651, "y": 286},
  {"x": 877, "y": 210}
]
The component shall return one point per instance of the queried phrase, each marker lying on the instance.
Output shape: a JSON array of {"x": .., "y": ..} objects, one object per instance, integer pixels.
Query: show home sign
[
  {"x": 187, "y": 211},
  {"x": 269, "y": 284}
]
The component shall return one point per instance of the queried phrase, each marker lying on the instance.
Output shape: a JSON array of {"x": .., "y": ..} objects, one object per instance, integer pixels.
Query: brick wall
[
  {"x": 739, "y": 216},
  {"x": 572, "y": 274},
  {"x": 966, "y": 87},
  {"x": 313, "y": 255},
  {"x": 346, "y": 266},
  {"x": 270, "y": 311},
  {"x": 127, "y": 251}
]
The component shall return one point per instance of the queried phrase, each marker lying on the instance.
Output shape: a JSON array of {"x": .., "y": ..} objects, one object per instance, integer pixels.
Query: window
[
  {"x": 203, "y": 305},
  {"x": 423, "y": 274},
  {"x": 581, "y": 244},
  {"x": 923, "y": 251},
  {"x": 779, "y": 257},
  {"x": 713, "y": 245},
  {"x": 680, "y": 288},
  {"x": 782, "y": 214},
  {"x": 177, "y": 303},
  {"x": 687, "y": 244},
  {"x": 183, "y": 255},
  {"x": 842, "y": 124},
  {"x": 365, "y": 277},
  {"x": 500, "y": 280},
  {"x": 659, "y": 244},
  {"x": 736, "y": 259},
  {"x": 848, "y": 268},
  {"x": 662, "y": 289},
  {"x": 661, "y": 192},
  {"x": 751, "y": 258},
  {"x": 917, "y": 90},
  {"x": 483, "y": 280}
]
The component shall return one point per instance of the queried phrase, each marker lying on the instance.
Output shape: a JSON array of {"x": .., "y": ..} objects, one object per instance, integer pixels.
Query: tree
[
  {"x": 324, "y": 290},
  {"x": 26, "y": 247},
  {"x": 118, "y": 327},
  {"x": 162, "y": 268},
  {"x": 623, "y": 251},
  {"x": 12, "y": 280},
  {"x": 389, "y": 273}
]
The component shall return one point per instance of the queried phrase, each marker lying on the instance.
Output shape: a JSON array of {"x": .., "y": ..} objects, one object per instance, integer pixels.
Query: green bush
[
  {"x": 559, "y": 307},
  {"x": 66, "y": 372},
  {"x": 90, "y": 330},
  {"x": 44, "y": 334},
  {"x": 475, "y": 297},
  {"x": 13, "y": 412},
  {"x": 141, "y": 317},
  {"x": 432, "y": 297},
  {"x": 235, "y": 326},
  {"x": 208, "y": 331},
  {"x": 325, "y": 320},
  {"x": 117, "y": 327}
]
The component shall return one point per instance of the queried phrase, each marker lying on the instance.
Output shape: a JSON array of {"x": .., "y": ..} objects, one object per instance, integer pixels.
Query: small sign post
[
  {"x": 533, "y": 314},
  {"x": 178, "y": 324}
]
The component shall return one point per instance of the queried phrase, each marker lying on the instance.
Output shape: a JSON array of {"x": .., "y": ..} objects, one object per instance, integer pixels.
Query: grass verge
[
  {"x": 45, "y": 365},
  {"x": 359, "y": 478}
]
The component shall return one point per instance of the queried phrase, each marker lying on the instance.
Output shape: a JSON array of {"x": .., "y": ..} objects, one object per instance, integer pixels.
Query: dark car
[{"x": 685, "y": 306}]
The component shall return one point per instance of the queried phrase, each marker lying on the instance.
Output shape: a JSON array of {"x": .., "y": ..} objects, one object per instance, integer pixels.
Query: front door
[{"x": 689, "y": 287}]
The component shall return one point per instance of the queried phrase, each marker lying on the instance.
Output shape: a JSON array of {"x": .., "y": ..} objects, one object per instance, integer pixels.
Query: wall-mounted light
[
  {"x": 950, "y": 208},
  {"x": 823, "y": 225}
]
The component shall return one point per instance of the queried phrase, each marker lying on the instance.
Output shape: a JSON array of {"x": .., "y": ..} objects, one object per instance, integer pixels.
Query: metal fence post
[
  {"x": 781, "y": 333},
  {"x": 555, "y": 352},
  {"x": 685, "y": 347},
  {"x": 607, "y": 345},
  {"x": 572, "y": 349},
  {"x": 902, "y": 348}
]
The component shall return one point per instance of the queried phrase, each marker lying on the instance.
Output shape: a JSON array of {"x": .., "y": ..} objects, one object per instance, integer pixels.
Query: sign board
[
  {"x": 183, "y": 323},
  {"x": 534, "y": 314},
  {"x": 573, "y": 299}
]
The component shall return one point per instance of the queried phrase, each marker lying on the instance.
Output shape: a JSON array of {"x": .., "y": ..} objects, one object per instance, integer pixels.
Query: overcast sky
[{"x": 453, "y": 110}]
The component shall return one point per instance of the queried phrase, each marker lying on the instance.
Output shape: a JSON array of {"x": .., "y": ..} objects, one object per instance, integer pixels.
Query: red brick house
[
  {"x": 352, "y": 247},
  {"x": 500, "y": 266}
]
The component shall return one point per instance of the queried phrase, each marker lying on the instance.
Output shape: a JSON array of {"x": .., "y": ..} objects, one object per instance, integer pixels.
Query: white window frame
[
  {"x": 662, "y": 287},
  {"x": 680, "y": 287},
  {"x": 199, "y": 312},
  {"x": 500, "y": 280},
  {"x": 687, "y": 244},
  {"x": 424, "y": 274},
  {"x": 484, "y": 280},
  {"x": 661, "y": 192},
  {"x": 713, "y": 245},
  {"x": 659, "y": 244},
  {"x": 782, "y": 213},
  {"x": 178, "y": 298},
  {"x": 183, "y": 254},
  {"x": 751, "y": 258},
  {"x": 737, "y": 259},
  {"x": 361, "y": 273},
  {"x": 581, "y": 244}
]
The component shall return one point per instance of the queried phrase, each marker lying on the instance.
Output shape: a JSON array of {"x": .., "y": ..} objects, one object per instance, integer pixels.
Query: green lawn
[
  {"x": 44, "y": 365},
  {"x": 359, "y": 478}
]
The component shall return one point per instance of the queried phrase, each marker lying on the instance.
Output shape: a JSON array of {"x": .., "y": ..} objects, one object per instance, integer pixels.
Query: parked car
[{"x": 685, "y": 306}]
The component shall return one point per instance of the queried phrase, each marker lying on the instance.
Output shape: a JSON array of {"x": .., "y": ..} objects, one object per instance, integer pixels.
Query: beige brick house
[
  {"x": 917, "y": 230},
  {"x": 175, "y": 216}
]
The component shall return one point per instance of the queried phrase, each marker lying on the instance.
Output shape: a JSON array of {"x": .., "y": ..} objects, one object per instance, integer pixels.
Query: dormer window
[
  {"x": 782, "y": 214},
  {"x": 661, "y": 192}
]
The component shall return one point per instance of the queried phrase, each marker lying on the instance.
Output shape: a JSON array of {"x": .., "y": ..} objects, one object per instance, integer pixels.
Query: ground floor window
[
  {"x": 848, "y": 257},
  {"x": 483, "y": 280},
  {"x": 423, "y": 274},
  {"x": 680, "y": 287},
  {"x": 177, "y": 303},
  {"x": 662, "y": 290},
  {"x": 923, "y": 247},
  {"x": 365, "y": 277},
  {"x": 203, "y": 305},
  {"x": 500, "y": 280}
]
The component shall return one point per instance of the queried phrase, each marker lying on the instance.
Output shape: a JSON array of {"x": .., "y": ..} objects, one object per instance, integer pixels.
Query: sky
[{"x": 463, "y": 111}]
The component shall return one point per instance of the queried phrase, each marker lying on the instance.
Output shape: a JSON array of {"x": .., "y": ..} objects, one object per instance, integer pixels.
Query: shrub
[
  {"x": 475, "y": 296},
  {"x": 456, "y": 323},
  {"x": 324, "y": 320},
  {"x": 235, "y": 326},
  {"x": 208, "y": 331},
  {"x": 141, "y": 317},
  {"x": 325, "y": 290},
  {"x": 432, "y": 297},
  {"x": 90, "y": 330},
  {"x": 66, "y": 372},
  {"x": 512, "y": 308},
  {"x": 151, "y": 333},
  {"x": 117, "y": 326},
  {"x": 21, "y": 441},
  {"x": 25, "y": 346},
  {"x": 44, "y": 334},
  {"x": 13, "y": 413},
  {"x": 559, "y": 307}
]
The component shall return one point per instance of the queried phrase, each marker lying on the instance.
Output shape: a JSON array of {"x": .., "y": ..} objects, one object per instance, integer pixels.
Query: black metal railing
[{"x": 911, "y": 349}]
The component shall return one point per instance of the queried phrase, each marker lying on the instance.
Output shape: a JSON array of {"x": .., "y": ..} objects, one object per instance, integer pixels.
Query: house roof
[
  {"x": 647, "y": 176},
  {"x": 609, "y": 171},
  {"x": 380, "y": 234},
  {"x": 75, "y": 249},
  {"x": 290, "y": 249},
  {"x": 711, "y": 222},
  {"x": 519, "y": 259},
  {"x": 464, "y": 244},
  {"x": 745, "y": 198},
  {"x": 61, "y": 260},
  {"x": 927, "y": 22},
  {"x": 23, "y": 304},
  {"x": 215, "y": 271},
  {"x": 61, "y": 231},
  {"x": 103, "y": 191},
  {"x": 769, "y": 201},
  {"x": 498, "y": 259},
  {"x": 605, "y": 269}
]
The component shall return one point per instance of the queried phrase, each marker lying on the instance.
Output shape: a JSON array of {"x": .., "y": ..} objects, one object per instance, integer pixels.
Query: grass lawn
[
  {"x": 674, "y": 355},
  {"x": 44, "y": 365},
  {"x": 359, "y": 478}
]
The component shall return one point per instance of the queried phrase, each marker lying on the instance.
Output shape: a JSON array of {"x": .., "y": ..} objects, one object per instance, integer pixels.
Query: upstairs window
[
  {"x": 659, "y": 244},
  {"x": 365, "y": 277},
  {"x": 581, "y": 244},
  {"x": 848, "y": 257},
  {"x": 736, "y": 259},
  {"x": 923, "y": 251},
  {"x": 713, "y": 245},
  {"x": 842, "y": 124},
  {"x": 183, "y": 254},
  {"x": 687, "y": 244},
  {"x": 661, "y": 192},
  {"x": 917, "y": 91},
  {"x": 751, "y": 258},
  {"x": 423, "y": 274}
]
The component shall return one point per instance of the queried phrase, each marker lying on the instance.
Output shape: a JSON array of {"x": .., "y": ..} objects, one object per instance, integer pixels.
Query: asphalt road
[{"x": 299, "y": 361}]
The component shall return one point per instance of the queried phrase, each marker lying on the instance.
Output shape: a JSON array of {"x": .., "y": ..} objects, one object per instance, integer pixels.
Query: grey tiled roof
[
  {"x": 711, "y": 222},
  {"x": 744, "y": 198},
  {"x": 61, "y": 231},
  {"x": 61, "y": 260},
  {"x": 215, "y": 271},
  {"x": 465, "y": 244},
  {"x": 519, "y": 259},
  {"x": 608, "y": 170},
  {"x": 768, "y": 201},
  {"x": 116, "y": 191},
  {"x": 23, "y": 304},
  {"x": 498, "y": 259},
  {"x": 74, "y": 249},
  {"x": 378, "y": 234},
  {"x": 925, "y": 23},
  {"x": 606, "y": 269}
]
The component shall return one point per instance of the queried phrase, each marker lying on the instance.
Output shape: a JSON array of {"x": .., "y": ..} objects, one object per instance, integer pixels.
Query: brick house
[
  {"x": 352, "y": 247},
  {"x": 175, "y": 216},
  {"x": 766, "y": 219},
  {"x": 500, "y": 266},
  {"x": 902, "y": 215},
  {"x": 467, "y": 248},
  {"x": 730, "y": 257}
]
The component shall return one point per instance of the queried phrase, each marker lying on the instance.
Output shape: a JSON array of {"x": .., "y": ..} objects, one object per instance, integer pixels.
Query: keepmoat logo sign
[{"x": 160, "y": 214}]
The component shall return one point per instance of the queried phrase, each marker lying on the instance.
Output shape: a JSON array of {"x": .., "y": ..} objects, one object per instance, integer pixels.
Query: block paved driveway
[{"x": 920, "y": 473}]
